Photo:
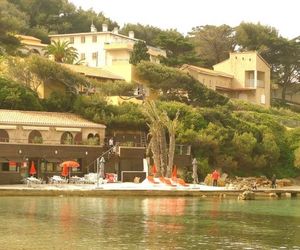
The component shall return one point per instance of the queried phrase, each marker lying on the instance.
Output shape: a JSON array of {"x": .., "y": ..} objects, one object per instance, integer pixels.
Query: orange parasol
[
  {"x": 154, "y": 170},
  {"x": 66, "y": 165},
  {"x": 65, "y": 171},
  {"x": 70, "y": 164},
  {"x": 32, "y": 170},
  {"x": 174, "y": 173}
]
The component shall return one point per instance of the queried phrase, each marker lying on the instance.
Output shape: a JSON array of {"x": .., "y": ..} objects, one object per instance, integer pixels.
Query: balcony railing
[
  {"x": 250, "y": 83},
  {"x": 48, "y": 142}
]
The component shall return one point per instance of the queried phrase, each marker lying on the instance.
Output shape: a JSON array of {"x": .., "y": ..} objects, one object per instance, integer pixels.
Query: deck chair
[
  {"x": 166, "y": 181},
  {"x": 151, "y": 180},
  {"x": 182, "y": 182}
]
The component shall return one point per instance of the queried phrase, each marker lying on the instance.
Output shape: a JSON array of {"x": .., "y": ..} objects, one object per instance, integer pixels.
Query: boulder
[{"x": 247, "y": 195}]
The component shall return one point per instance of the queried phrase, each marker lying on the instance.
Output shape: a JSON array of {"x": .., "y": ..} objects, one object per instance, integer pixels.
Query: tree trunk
[
  {"x": 171, "y": 153},
  {"x": 163, "y": 150},
  {"x": 283, "y": 94}
]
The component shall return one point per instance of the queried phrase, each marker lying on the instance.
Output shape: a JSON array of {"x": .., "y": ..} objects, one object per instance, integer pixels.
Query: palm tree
[{"x": 62, "y": 52}]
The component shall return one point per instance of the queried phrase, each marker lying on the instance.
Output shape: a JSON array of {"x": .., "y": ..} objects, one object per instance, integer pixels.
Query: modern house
[
  {"x": 107, "y": 50},
  {"x": 244, "y": 75},
  {"x": 47, "y": 139},
  {"x": 31, "y": 45}
]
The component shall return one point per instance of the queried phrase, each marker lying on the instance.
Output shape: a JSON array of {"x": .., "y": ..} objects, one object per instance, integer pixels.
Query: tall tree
[
  {"x": 139, "y": 53},
  {"x": 12, "y": 21},
  {"x": 144, "y": 32},
  {"x": 179, "y": 49},
  {"x": 62, "y": 52},
  {"x": 213, "y": 43},
  {"x": 159, "y": 122}
]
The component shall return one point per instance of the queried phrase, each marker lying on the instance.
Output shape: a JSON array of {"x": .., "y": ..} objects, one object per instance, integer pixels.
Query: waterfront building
[
  {"x": 244, "y": 75},
  {"x": 47, "y": 139}
]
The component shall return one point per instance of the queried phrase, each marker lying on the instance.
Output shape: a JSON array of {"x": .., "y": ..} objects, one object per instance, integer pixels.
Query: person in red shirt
[{"x": 215, "y": 177}]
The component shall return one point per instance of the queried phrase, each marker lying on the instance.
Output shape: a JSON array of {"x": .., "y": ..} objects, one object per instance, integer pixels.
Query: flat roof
[
  {"x": 41, "y": 118},
  {"x": 94, "y": 33}
]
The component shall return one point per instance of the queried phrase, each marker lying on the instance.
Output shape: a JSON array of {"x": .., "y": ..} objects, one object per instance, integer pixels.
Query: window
[
  {"x": 71, "y": 39},
  {"x": 95, "y": 55},
  {"x": 82, "y": 39},
  {"x": 4, "y": 136},
  {"x": 82, "y": 56},
  {"x": 35, "y": 137},
  {"x": 94, "y": 39},
  {"x": 66, "y": 138}
]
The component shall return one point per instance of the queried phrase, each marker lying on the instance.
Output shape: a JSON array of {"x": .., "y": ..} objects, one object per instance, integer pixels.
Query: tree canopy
[
  {"x": 213, "y": 43},
  {"x": 139, "y": 53}
]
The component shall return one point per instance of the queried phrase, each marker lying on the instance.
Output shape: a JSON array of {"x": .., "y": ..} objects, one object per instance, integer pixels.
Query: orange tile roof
[{"x": 39, "y": 118}]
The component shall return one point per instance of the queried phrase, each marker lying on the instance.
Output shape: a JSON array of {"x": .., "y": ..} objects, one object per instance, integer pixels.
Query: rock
[
  {"x": 284, "y": 183},
  {"x": 273, "y": 195},
  {"x": 247, "y": 195}
]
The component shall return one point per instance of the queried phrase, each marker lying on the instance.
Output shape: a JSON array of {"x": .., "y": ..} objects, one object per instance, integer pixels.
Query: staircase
[{"x": 143, "y": 140}]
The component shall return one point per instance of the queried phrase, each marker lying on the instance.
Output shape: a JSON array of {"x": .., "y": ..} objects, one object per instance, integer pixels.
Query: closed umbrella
[
  {"x": 32, "y": 170},
  {"x": 174, "y": 173},
  {"x": 154, "y": 170}
]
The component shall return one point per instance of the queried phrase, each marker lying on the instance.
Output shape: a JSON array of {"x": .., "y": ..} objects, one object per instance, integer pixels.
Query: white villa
[{"x": 108, "y": 50}]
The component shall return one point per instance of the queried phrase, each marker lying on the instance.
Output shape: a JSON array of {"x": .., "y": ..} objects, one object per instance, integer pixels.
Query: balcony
[
  {"x": 250, "y": 83},
  {"x": 118, "y": 46}
]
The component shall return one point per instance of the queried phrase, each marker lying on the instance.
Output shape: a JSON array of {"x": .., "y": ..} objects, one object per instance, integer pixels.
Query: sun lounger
[
  {"x": 166, "y": 181},
  {"x": 151, "y": 180},
  {"x": 182, "y": 182}
]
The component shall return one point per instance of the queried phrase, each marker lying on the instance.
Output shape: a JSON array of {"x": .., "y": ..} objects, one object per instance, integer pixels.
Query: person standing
[
  {"x": 111, "y": 142},
  {"x": 215, "y": 177},
  {"x": 273, "y": 181}
]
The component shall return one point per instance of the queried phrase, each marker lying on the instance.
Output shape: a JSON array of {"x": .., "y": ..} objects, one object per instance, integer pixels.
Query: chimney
[
  {"x": 116, "y": 30},
  {"x": 104, "y": 27},
  {"x": 93, "y": 28},
  {"x": 131, "y": 34}
]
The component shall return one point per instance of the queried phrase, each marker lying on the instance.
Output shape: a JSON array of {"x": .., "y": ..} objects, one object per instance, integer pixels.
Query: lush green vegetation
[{"x": 240, "y": 138}]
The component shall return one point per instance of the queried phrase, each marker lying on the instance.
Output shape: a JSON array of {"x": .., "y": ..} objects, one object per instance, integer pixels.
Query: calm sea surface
[{"x": 148, "y": 223}]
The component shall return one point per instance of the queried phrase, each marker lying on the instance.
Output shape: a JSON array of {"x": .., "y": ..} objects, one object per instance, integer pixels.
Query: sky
[{"x": 185, "y": 14}]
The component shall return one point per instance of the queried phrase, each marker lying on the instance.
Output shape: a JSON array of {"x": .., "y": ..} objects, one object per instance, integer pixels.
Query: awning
[{"x": 53, "y": 160}]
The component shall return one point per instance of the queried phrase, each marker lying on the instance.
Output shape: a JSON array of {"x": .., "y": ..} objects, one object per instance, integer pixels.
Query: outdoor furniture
[
  {"x": 182, "y": 182},
  {"x": 56, "y": 179},
  {"x": 90, "y": 178},
  {"x": 166, "y": 181},
  {"x": 151, "y": 180},
  {"x": 33, "y": 180},
  {"x": 111, "y": 177}
]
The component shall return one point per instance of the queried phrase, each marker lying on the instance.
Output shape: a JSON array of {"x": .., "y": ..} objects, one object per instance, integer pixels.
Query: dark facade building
[{"x": 46, "y": 139}]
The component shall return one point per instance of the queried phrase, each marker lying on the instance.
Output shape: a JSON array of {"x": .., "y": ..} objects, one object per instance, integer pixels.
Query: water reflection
[{"x": 147, "y": 223}]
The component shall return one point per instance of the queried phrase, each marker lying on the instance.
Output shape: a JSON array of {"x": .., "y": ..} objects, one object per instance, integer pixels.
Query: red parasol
[
  {"x": 66, "y": 165},
  {"x": 32, "y": 170},
  {"x": 70, "y": 164},
  {"x": 154, "y": 170}
]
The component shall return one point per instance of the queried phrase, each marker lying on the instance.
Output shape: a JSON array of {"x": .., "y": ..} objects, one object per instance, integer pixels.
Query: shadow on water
[{"x": 148, "y": 223}]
